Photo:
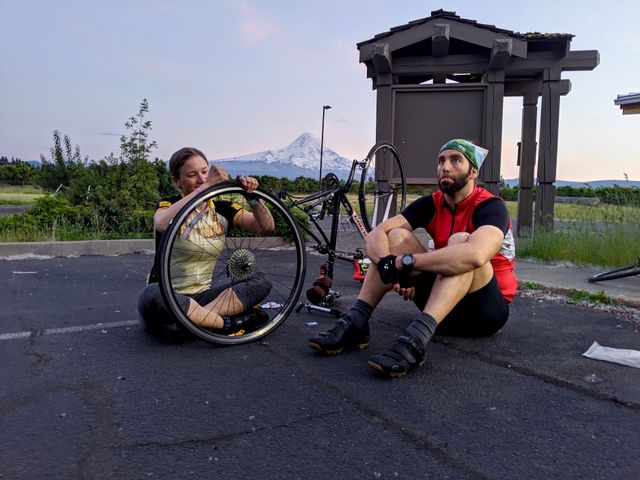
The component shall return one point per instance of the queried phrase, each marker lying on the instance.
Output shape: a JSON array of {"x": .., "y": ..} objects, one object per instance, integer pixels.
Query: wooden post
[
  {"x": 548, "y": 147},
  {"x": 527, "y": 164},
  {"x": 492, "y": 140}
]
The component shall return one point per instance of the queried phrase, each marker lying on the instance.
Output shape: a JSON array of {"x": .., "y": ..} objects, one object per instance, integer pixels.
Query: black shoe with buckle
[
  {"x": 344, "y": 335},
  {"x": 245, "y": 322},
  {"x": 405, "y": 354}
]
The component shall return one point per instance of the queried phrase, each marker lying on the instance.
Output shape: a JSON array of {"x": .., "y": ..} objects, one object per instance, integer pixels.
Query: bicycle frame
[{"x": 337, "y": 196}]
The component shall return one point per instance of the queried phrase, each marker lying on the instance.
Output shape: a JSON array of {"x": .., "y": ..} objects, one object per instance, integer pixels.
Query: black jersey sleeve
[
  {"x": 419, "y": 212},
  {"x": 228, "y": 210},
  {"x": 491, "y": 212}
]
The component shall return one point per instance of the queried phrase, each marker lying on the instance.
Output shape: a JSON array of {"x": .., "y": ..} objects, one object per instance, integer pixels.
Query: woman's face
[{"x": 192, "y": 174}]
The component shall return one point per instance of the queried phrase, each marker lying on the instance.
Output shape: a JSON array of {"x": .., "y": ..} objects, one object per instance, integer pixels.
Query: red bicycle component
[{"x": 360, "y": 267}]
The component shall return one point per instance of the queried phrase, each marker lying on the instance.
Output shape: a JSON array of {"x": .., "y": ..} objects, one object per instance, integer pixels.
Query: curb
[
  {"x": 17, "y": 250},
  {"x": 563, "y": 279}
]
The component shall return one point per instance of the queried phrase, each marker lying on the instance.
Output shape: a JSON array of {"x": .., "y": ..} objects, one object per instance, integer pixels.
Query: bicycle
[
  {"x": 279, "y": 255},
  {"x": 622, "y": 272}
]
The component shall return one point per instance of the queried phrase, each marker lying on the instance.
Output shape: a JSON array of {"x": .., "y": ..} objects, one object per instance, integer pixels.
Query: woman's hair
[{"x": 180, "y": 157}]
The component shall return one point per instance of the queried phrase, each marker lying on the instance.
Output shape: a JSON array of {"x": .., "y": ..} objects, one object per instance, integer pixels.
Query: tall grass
[
  {"x": 16, "y": 195},
  {"x": 605, "y": 235},
  {"x": 21, "y": 228}
]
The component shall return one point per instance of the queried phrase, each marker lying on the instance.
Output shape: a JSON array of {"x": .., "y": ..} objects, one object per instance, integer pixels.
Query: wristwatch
[{"x": 407, "y": 261}]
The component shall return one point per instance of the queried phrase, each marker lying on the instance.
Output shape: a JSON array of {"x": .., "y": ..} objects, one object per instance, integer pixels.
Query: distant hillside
[{"x": 302, "y": 158}]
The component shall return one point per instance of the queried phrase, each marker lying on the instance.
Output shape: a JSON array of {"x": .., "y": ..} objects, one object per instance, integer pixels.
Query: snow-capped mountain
[{"x": 300, "y": 158}]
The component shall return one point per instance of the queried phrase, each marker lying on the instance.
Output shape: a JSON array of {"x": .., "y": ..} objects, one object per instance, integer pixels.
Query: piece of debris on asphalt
[{"x": 622, "y": 356}]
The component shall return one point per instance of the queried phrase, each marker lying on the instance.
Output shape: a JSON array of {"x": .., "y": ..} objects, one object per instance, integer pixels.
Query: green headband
[{"x": 473, "y": 153}]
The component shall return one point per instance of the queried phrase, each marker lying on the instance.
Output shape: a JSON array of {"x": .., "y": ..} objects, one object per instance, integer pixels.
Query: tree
[
  {"x": 141, "y": 186},
  {"x": 17, "y": 173},
  {"x": 65, "y": 164},
  {"x": 165, "y": 187}
]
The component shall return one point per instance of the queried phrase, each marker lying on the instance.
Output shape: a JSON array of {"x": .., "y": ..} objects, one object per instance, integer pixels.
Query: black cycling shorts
[{"x": 478, "y": 314}]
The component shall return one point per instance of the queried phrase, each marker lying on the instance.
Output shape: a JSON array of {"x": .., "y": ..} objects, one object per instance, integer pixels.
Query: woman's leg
[
  {"x": 158, "y": 320},
  {"x": 208, "y": 308}
]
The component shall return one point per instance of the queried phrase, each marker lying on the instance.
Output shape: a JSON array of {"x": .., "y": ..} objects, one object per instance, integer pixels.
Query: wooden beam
[
  {"x": 500, "y": 53},
  {"x": 381, "y": 58},
  {"x": 630, "y": 109},
  {"x": 520, "y": 88},
  {"x": 537, "y": 62},
  {"x": 448, "y": 64},
  {"x": 478, "y": 63},
  {"x": 440, "y": 40}
]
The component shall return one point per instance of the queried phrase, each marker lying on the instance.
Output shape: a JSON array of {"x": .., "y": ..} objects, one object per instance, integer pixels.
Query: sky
[{"x": 233, "y": 77}]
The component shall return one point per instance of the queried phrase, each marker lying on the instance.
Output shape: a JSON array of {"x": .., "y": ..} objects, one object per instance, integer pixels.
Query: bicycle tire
[
  {"x": 389, "y": 195},
  {"x": 281, "y": 259},
  {"x": 622, "y": 272}
]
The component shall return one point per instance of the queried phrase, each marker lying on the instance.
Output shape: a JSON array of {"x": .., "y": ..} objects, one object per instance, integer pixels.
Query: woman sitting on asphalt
[{"x": 229, "y": 308}]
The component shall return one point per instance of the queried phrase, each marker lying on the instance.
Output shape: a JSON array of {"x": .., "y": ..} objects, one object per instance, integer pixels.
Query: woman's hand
[
  {"x": 248, "y": 183},
  {"x": 217, "y": 174}
]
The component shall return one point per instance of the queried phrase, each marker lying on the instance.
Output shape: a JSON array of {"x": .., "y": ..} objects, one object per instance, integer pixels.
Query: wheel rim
[
  {"x": 382, "y": 185},
  {"x": 194, "y": 236}
]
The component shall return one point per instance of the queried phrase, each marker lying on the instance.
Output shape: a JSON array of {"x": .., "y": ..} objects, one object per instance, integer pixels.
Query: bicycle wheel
[
  {"x": 628, "y": 271},
  {"x": 383, "y": 186},
  {"x": 207, "y": 259}
]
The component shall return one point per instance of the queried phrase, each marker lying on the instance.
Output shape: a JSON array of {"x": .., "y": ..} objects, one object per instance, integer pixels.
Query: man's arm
[
  {"x": 377, "y": 242},
  {"x": 480, "y": 248}
]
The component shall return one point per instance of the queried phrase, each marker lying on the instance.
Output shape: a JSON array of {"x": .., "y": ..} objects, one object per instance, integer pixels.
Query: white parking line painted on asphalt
[{"x": 78, "y": 328}]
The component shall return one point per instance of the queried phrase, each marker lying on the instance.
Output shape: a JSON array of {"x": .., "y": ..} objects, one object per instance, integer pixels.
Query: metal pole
[{"x": 324, "y": 108}]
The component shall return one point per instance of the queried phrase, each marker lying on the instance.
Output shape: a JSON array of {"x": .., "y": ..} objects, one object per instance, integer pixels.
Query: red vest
[{"x": 445, "y": 223}]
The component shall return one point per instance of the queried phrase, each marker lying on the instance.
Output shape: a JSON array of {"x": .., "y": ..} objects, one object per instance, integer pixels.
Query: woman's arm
[{"x": 259, "y": 220}]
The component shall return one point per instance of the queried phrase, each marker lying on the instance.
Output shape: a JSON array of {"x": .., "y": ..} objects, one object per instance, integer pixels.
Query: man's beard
[{"x": 457, "y": 184}]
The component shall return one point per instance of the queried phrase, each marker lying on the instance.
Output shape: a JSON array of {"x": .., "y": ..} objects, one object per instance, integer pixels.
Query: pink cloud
[{"x": 254, "y": 25}]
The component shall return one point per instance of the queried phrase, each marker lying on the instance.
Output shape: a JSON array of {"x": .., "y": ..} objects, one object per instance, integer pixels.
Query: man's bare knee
[
  {"x": 403, "y": 241},
  {"x": 458, "y": 238},
  {"x": 398, "y": 236}
]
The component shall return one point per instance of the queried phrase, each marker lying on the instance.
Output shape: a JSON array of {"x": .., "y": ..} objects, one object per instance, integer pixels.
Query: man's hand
[
  {"x": 389, "y": 274},
  {"x": 408, "y": 293},
  {"x": 217, "y": 174}
]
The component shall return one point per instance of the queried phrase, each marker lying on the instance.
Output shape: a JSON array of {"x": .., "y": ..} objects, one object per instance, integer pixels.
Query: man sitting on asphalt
[{"x": 463, "y": 287}]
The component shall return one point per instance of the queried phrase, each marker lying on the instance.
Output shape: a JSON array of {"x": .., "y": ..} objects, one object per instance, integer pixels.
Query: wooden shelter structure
[
  {"x": 444, "y": 77},
  {"x": 629, "y": 104}
]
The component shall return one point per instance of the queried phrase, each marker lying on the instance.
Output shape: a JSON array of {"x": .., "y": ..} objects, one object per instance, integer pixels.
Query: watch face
[{"x": 407, "y": 260}]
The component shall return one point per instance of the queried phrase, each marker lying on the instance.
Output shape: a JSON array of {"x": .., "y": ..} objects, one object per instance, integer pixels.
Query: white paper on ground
[{"x": 630, "y": 358}]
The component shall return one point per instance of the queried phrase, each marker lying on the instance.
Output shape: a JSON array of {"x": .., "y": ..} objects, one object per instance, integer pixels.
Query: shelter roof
[
  {"x": 441, "y": 14},
  {"x": 627, "y": 99},
  {"x": 629, "y": 103}
]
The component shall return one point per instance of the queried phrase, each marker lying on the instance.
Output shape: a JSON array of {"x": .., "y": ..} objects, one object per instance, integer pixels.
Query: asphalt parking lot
[{"x": 86, "y": 394}]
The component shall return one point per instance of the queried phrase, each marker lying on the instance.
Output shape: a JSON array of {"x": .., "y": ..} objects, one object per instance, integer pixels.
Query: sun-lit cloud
[{"x": 255, "y": 26}]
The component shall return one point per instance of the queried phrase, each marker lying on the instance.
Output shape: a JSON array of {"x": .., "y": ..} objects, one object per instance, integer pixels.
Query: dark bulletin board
[{"x": 426, "y": 117}]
